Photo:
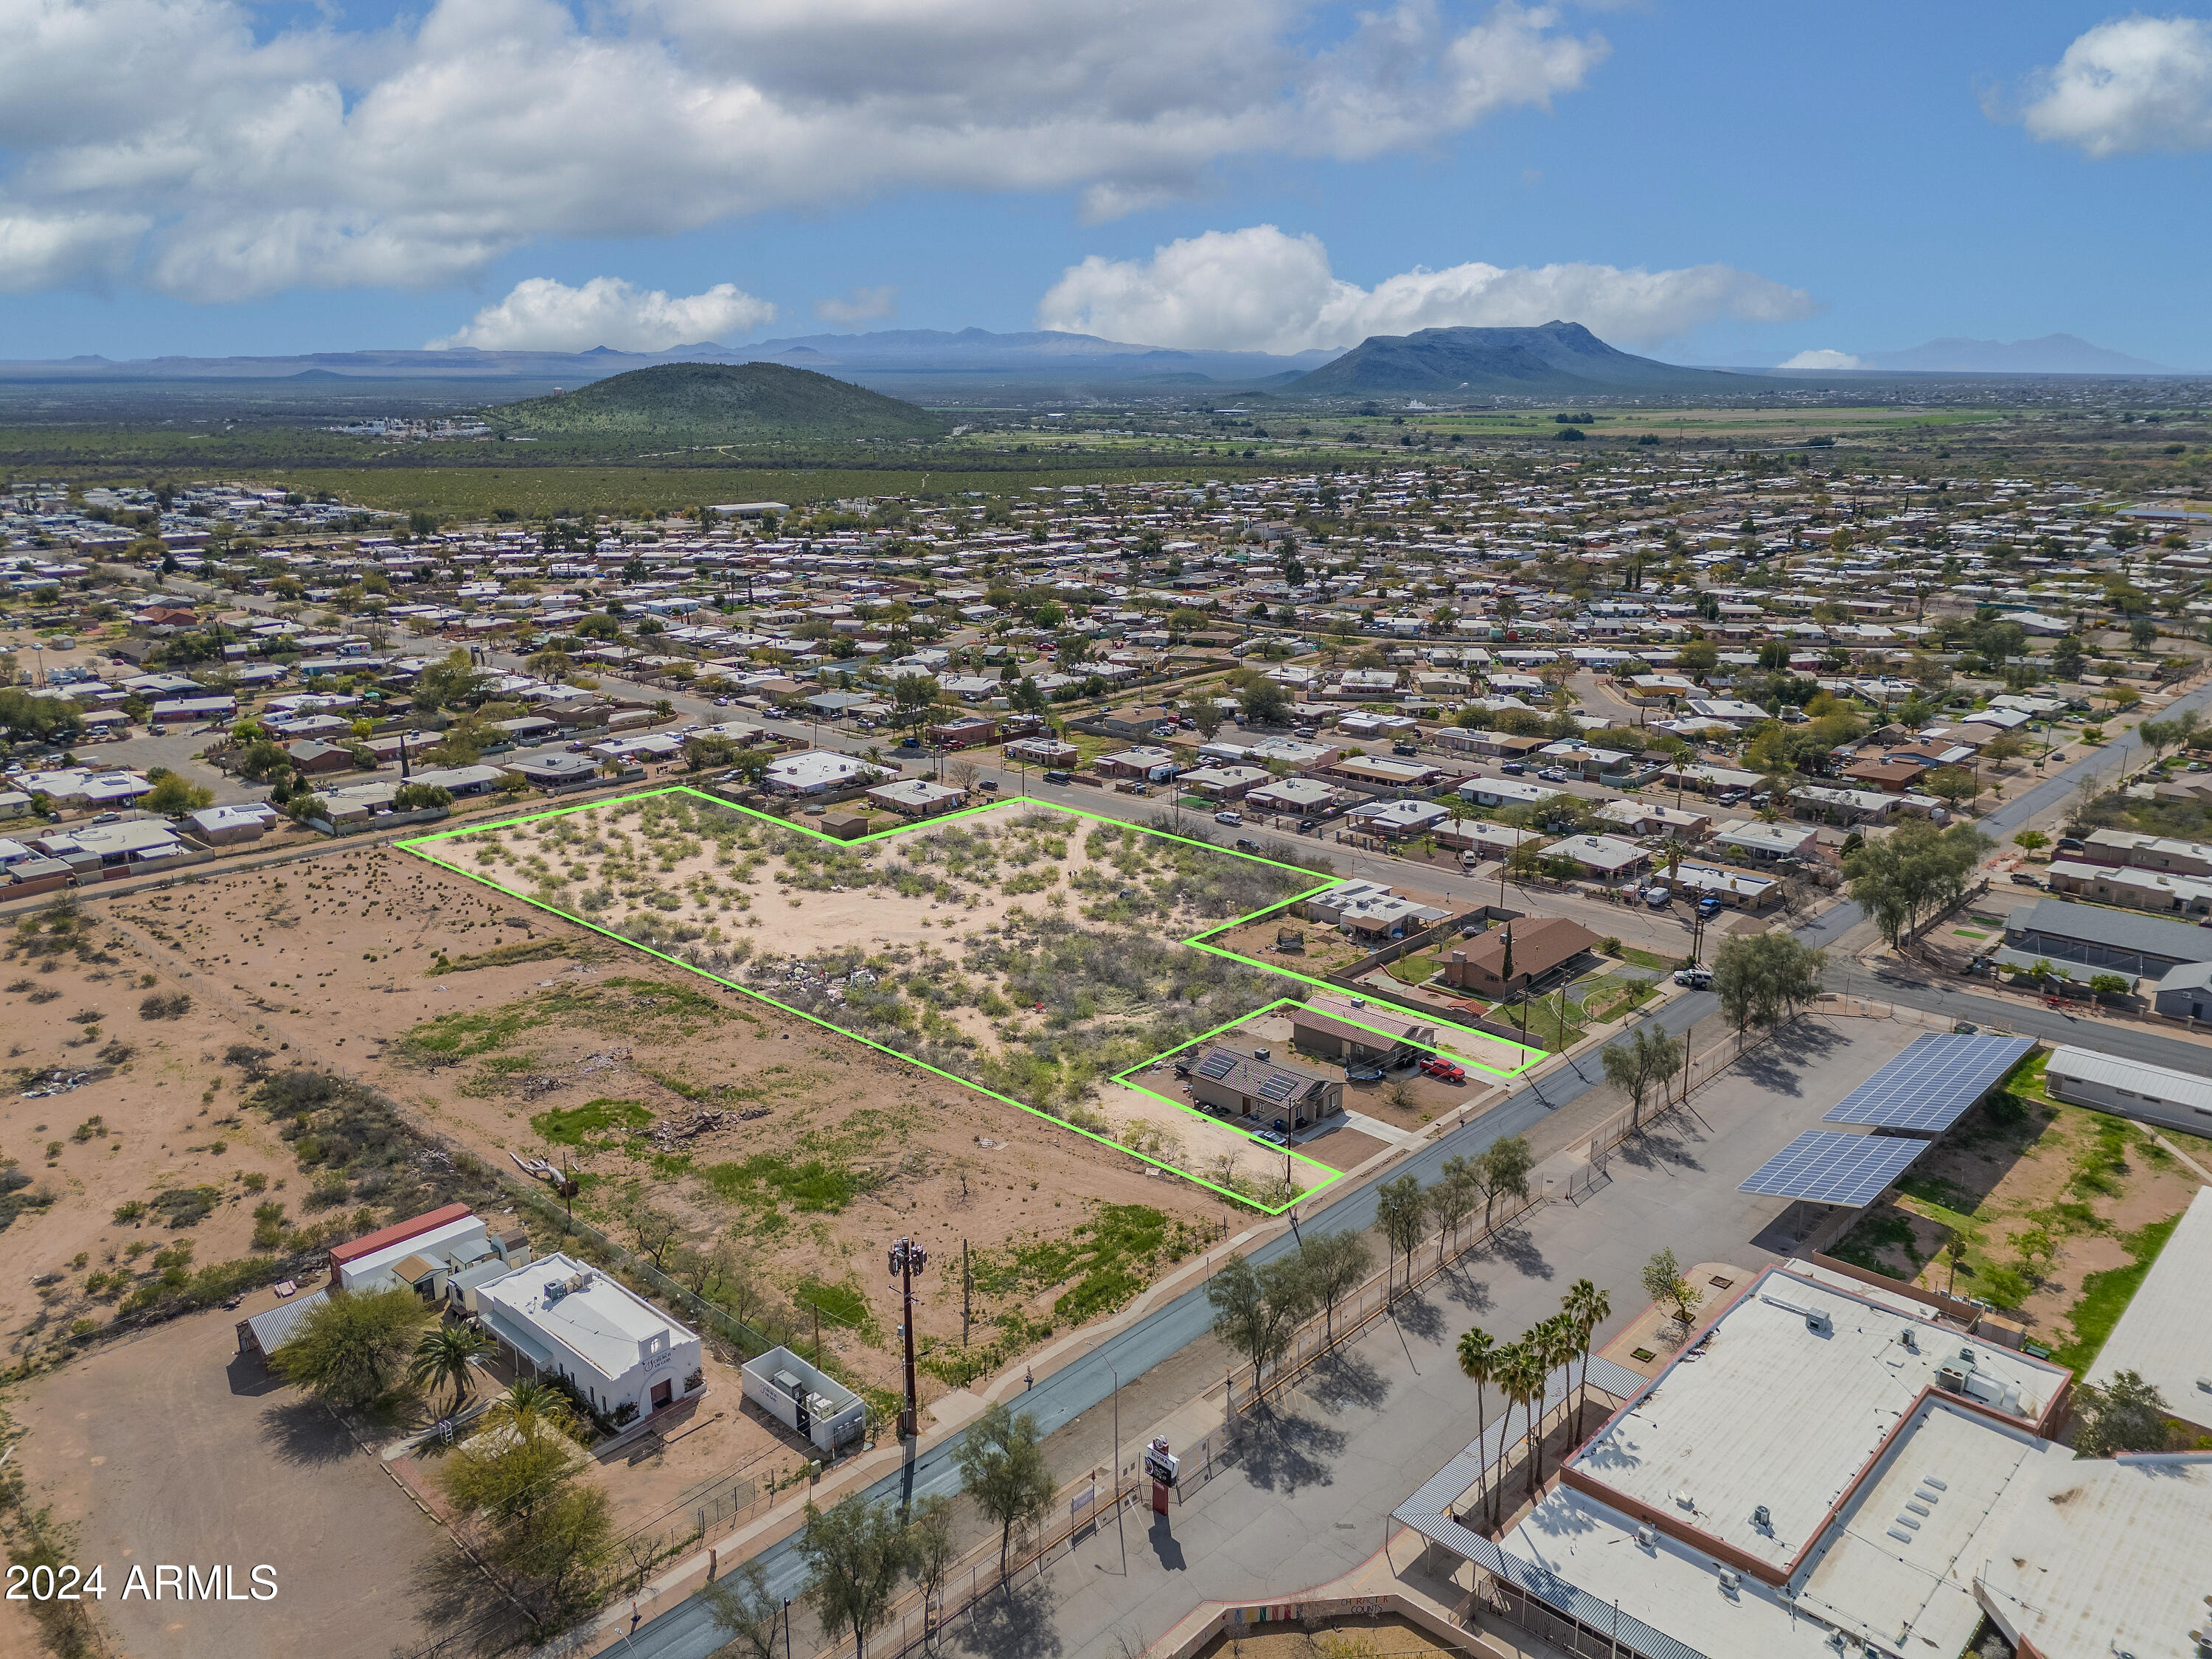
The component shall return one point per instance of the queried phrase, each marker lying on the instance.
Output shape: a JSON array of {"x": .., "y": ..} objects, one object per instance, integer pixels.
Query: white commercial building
[
  {"x": 580, "y": 1322},
  {"x": 818, "y": 772},
  {"x": 1836, "y": 1468}
]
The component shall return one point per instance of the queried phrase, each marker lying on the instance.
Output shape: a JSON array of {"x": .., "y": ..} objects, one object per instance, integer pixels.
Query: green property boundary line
[{"x": 423, "y": 846}]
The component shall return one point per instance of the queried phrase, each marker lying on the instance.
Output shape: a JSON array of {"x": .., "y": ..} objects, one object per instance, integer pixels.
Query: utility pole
[
  {"x": 967, "y": 1291},
  {"x": 907, "y": 1258}
]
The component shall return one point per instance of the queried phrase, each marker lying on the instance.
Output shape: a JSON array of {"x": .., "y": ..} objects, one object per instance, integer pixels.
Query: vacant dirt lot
[
  {"x": 170, "y": 1450},
  {"x": 502, "y": 1030}
]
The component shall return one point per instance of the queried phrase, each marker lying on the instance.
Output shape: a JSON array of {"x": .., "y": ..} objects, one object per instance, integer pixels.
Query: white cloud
[
  {"x": 2130, "y": 84},
  {"x": 1822, "y": 359},
  {"x": 419, "y": 152},
  {"x": 862, "y": 304},
  {"x": 50, "y": 250},
  {"x": 542, "y": 314},
  {"x": 1262, "y": 290}
]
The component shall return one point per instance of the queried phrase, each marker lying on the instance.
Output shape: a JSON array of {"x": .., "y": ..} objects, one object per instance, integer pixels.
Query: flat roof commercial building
[
  {"x": 580, "y": 1322},
  {"x": 2088, "y": 937},
  {"x": 1840, "y": 1470}
]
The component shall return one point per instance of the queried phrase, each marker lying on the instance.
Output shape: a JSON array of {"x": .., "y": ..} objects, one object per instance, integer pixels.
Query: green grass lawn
[
  {"x": 1637, "y": 958},
  {"x": 2106, "y": 1296}
]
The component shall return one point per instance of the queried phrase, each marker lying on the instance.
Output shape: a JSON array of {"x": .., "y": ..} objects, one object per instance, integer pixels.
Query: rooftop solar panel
[
  {"x": 1825, "y": 1166},
  {"x": 1278, "y": 1088},
  {"x": 1931, "y": 1084},
  {"x": 1218, "y": 1064}
]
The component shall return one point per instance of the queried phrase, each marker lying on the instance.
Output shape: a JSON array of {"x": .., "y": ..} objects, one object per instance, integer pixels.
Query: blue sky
[{"x": 192, "y": 176}]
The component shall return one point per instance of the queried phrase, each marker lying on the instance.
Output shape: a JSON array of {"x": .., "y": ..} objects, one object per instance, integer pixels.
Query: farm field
[{"x": 1033, "y": 953}]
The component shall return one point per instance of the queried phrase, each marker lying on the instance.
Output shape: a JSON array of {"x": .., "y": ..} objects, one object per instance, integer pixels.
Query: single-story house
[
  {"x": 1224, "y": 782},
  {"x": 2143, "y": 852},
  {"x": 1377, "y": 1036},
  {"x": 1045, "y": 751},
  {"x": 1739, "y": 888},
  {"x": 1767, "y": 843},
  {"x": 1647, "y": 819},
  {"x": 818, "y": 772},
  {"x": 1602, "y": 858},
  {"x": 1253, "y": 1084},
  {"x": 1373, "y": 775},
  {"x": 2138, "y": 890},
  {"x": 1136, "y": 722},
  {"x": 1370, "y": 910},
  {"x": 318, "y": 759},
  {"x": 1890, "y": 777},
  {"x": 78, "y": 785},
  {"x": 1542, "y": 945},
  {"x": 916, "y": 798},
  {"x": 228, "y": 826},
  {"x": 1399, "y": 820},
  {"x": 1138, "y": 763},
  {"x": 554, "y": 770},
  {"x": 1819, "y": 804},
  {"x": 1482, "y": 838},
  {"x": 1494, "y": 792},
  {"x": 1294, "y": 797}
]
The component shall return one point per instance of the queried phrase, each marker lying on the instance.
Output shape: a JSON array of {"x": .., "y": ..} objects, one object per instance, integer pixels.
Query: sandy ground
[
  {"x": 157, "y": 1112},
  {"x": 330, "y": 964},
  {"x": 171, "y": 1449}
]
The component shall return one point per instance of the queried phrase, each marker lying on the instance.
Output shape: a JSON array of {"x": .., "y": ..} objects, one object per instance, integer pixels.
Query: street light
[{"x": 907, "y": 1258}]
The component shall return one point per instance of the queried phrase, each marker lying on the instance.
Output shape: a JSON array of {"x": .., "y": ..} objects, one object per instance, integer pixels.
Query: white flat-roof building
[
  {"x": 580, "y": 1322},
  {"x": 2165, "y": 1336},
  {"x": 1836, "y": 1468},
  {"x": 818, "y": 772},
  {"x": 2130, "y": 1088}
]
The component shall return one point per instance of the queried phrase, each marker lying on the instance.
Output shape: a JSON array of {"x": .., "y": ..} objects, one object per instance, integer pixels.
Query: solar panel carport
[
  {"x": 1826, "y": 1166},
  {"x": 1932, "y": 1084}
]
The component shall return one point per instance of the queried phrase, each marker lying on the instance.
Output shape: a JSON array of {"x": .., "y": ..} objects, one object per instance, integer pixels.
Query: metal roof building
[
  {"x": 2130, "y": 1088},
  {"x": 2086, "y": 935},
  {"x": 2165, "y": 1336}
]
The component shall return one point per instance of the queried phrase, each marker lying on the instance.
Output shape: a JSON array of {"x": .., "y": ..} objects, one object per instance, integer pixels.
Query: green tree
[
  {"x": 453, "y": 680},
  {"x": 915, "y": 700},
  {"x": 174, "y": 796},
  {"x": 531, "y": 1407},
  {"x": 933, "y": 1552},
  {"x": 741, "y": 1605},
  {"x": 1765, "y": 979},
  {"x": 1337, "y": 1264},
  {"x": 1585, "y": 1308},
  {"x": 2127, "y": 1415},
  {"x": 1003, "y": 1468},
  {"x": 1664, "y": 1284},
  {"x": 1266, "y": 704},
  {"x": 1401, "y": 1209},
  {"x": 1256, "y": 1310},
  {"x": 856, "y": 1553},
  {"x": 1453, "y": 1198},
  {"x": 1648, "y": 1056},
  {"x": 353, "y": 1349},
  {"x": 2031, "y": 840},
  {"x": 1479, "y": 1358},
  {"x": 448, "y": 1356},
  {"x": 1913, "y": 870},
  {"x": 1505, "y": 1171}
]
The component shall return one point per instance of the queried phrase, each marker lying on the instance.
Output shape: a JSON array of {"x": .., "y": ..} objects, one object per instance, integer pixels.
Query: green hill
[{"x": 715, "y": 403}]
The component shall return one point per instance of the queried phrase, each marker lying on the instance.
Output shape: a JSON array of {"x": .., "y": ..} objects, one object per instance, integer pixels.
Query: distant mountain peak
[
  {"x": 2053, "y": 354},
  {"x": 1554, "y": 359}
]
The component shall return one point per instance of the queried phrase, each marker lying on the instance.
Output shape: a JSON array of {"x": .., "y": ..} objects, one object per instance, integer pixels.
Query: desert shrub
[{"x": 171, "y": 1005}]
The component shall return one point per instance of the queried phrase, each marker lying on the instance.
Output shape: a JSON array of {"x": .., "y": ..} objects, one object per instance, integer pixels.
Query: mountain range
[{"x": 2053, "y": 354}]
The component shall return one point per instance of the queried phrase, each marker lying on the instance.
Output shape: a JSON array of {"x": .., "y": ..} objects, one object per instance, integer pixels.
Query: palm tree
[
  {"x": 1522, "y": 1380},
  {"x": 1553, "y": 1345},
  {"x": 1478, "y": 1359},
  {"x": 529, "y": 1405},
  {"x": 1587, "y": 1307},
  {"x": 445, "y": 1356}
]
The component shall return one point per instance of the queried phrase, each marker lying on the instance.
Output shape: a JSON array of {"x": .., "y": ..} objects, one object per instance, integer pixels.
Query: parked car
[
  {"x": 1708, "y": 907},
  {"x": 1553, "y": 774},
  {"x": 1450, "y": 1070},
  {"x": 1300, "y": 731},
  {"x": 1057, "y": 776},
  {"x": 909, "y": 743},
  {"x": 1306, "y": 826},
  {"x": 2021, "y": 878},
  {"x": 1229, "y": 817},
  {"x": 1273, "y": 1137},
  {"x": 1513, "y": 769},
  {"x": 1696, "y": 977},
  {"x": 1657, "y": 897},
  {"x": 1404, "y": 749}
]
